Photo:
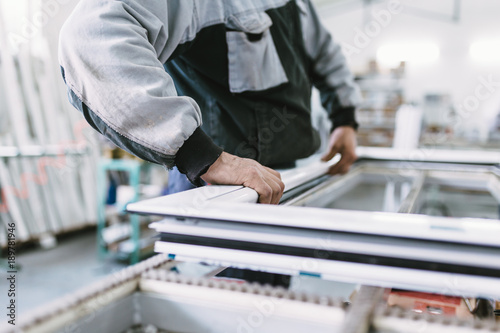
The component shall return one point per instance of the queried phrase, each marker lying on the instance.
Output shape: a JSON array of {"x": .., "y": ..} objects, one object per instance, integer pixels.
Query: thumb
[{"x": 332, "y": 151}]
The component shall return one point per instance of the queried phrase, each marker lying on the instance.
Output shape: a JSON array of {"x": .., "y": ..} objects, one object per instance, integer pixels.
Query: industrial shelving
[{"x": 383, "y": 94}]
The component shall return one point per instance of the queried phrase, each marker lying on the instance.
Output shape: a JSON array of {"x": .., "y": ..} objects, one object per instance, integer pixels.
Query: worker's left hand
[{"x": 342, "y": 141}]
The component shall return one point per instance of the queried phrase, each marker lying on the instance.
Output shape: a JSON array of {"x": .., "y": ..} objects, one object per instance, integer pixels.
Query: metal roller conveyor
[{"x": 148, "y": 297}]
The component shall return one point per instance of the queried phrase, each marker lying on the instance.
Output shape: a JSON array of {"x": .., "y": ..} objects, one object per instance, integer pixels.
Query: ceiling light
[{"x": 486, "y": 51}]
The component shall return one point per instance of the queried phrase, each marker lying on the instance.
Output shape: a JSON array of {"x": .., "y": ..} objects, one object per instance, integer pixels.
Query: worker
[{"x": 220, "y": 90}]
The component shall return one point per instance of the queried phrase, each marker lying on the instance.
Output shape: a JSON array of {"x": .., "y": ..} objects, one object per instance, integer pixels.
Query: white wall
[{"x": 454, "y": 72}]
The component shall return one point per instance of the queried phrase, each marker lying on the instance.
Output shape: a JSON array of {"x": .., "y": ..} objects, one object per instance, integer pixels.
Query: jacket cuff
[
  {"x": 344, "y": 117},
  {"x": 196, "y": 155}
]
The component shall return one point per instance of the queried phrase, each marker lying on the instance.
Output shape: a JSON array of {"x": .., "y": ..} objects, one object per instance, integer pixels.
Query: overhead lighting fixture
[
  {"x": 485, "y": 51},
  {"x": 392, "y": 55}
]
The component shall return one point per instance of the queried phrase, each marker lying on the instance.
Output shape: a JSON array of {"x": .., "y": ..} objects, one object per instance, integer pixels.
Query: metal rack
[{"x": 133, "y": 168}]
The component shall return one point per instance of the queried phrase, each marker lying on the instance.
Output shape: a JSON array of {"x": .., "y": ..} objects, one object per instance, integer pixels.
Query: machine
[{"x": 415, "y": 235}]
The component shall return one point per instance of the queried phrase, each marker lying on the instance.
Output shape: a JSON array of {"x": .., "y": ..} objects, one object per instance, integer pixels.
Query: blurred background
[{"x": 434, "y": 55}]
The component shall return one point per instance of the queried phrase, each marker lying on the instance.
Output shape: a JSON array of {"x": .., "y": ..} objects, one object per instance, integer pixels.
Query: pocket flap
[{"x": 253, "y": 23}]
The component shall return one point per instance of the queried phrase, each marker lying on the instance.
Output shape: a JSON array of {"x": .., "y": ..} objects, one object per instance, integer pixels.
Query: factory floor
[{"x": 45, "y": 275}]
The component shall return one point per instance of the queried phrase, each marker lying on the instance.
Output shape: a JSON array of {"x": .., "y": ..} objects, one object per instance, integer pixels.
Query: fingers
[
  {"x": 339, "y": 168},
  {"x": 342, "y": 141},
  {"x": 264, "y": 190},
  {"x": 277, "y": 188},
  {"x": 334, "y": 150},
  {"x": 232, "y": 170},
  {"x": 272, "y": 171},
  {"x": 276, "y": 178},
  {"x": 269, "y": 186},
  {"x": 343, "y": 166},
  {"x": 267, "y": 182}
]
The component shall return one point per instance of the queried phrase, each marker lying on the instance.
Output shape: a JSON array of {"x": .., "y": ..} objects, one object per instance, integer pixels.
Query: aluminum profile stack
[{"x": 47, "y": 152}]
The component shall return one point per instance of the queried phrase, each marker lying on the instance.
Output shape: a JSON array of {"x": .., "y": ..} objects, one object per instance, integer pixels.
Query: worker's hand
[
  {"x": 342, "y": 141},
  {"x": 232, "y": 170}
]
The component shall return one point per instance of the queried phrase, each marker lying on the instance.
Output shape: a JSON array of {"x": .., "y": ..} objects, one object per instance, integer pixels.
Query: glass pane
[
  {"x": 439, "y": 200},
  {"x": 371, "y": 192}
]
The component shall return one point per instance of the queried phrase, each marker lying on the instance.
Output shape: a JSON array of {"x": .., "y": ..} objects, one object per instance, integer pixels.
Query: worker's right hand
[{"x": 232, "y": 170}]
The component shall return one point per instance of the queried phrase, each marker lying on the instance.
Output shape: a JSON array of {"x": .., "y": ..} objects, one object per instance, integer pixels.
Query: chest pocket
[{"x": 254, "y": 63}]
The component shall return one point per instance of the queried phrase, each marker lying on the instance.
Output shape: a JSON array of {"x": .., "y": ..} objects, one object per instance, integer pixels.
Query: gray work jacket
[{"x": 145, "y": 74}]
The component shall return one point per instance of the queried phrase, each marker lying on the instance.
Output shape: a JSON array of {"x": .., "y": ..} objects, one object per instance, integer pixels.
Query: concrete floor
[{"x": 45, "y": 275}]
